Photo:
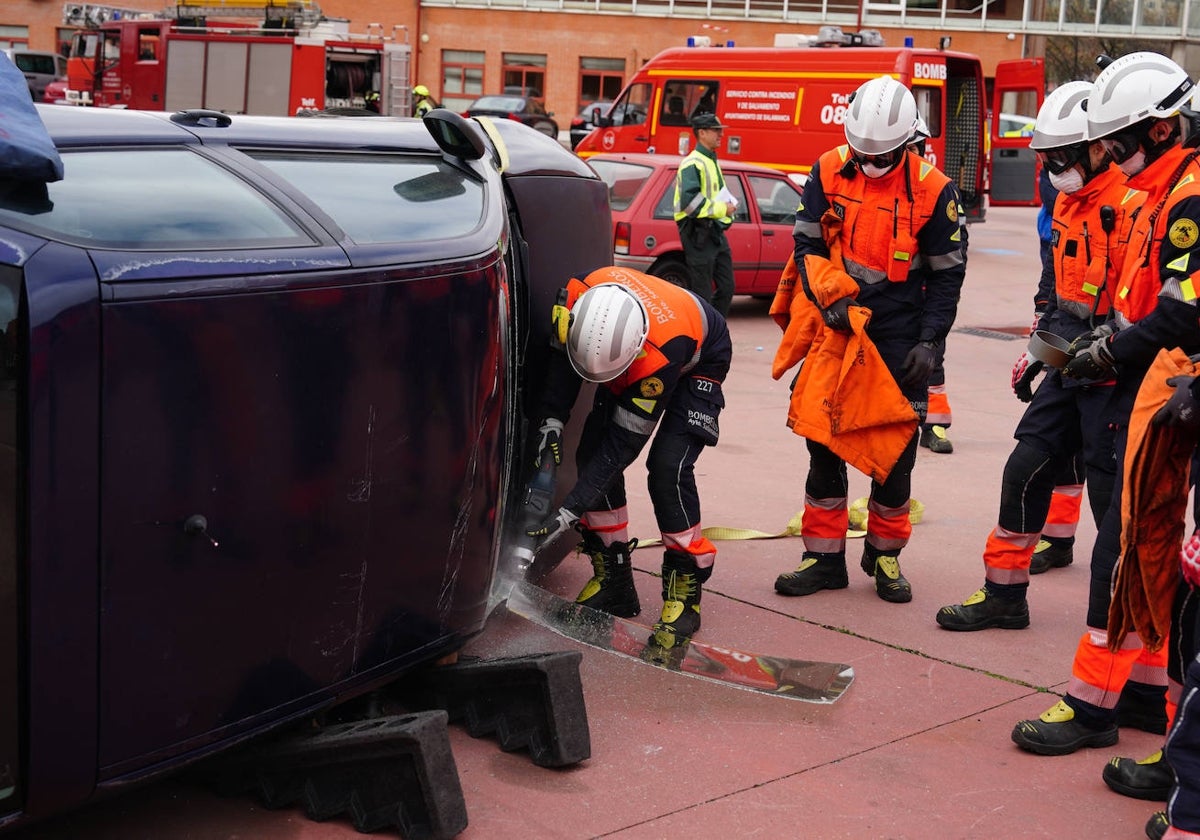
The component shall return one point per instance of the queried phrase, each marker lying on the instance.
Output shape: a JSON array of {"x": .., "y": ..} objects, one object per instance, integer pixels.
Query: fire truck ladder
[{"x": 302, "y": 12}]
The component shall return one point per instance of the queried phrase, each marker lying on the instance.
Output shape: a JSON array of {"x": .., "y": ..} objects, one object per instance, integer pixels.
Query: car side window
[
  {"x": 385, "y": 198},
  {"x": 156, "y": 199},
  {"x": 777, "y": 199}
]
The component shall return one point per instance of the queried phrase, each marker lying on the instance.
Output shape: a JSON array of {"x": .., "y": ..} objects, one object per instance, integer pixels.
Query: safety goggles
[
  {"x": 884, "y": 161},
  {"x": 1063, "y": 158},
  {"x": 1124, "y": 144}
]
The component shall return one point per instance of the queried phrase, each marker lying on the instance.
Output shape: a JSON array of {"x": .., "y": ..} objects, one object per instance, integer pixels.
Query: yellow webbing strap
[{"x": 858, "y": 513}]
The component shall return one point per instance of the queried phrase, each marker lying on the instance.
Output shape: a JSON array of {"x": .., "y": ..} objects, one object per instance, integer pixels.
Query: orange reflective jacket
[
  {"x": 1142, "y": 276},
  {"x": 1086, "y": 259}
]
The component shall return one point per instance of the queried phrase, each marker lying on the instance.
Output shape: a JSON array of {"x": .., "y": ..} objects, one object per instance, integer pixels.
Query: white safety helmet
[
  {"x": 1133, "y": 88},
  {"x": 1062, "y": 120},
  {"x": 608, "y": 327},
  {"x": 881, "y": 117}
]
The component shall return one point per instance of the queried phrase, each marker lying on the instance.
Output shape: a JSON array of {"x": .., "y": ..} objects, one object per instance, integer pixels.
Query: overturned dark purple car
[{"x": 266, "y": 394}]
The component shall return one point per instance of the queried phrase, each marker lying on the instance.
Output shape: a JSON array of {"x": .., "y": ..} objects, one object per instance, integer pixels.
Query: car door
[
  {"x": 745, "y": 241},
  {"x": 776, "y": 200},
  {"x": 225, "y": 351}
]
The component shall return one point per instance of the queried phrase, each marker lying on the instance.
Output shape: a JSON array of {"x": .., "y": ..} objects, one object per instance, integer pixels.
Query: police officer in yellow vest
[{"x": 704, "y": 208}]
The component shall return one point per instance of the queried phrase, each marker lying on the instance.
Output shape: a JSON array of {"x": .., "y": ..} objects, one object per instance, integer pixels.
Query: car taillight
[
  {"x": 516, "y": 117},
  {"x": 621, "y": 238}
]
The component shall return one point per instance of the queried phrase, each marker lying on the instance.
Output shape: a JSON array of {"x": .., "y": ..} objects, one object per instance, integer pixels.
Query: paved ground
[{"x": 918, "y": 747}]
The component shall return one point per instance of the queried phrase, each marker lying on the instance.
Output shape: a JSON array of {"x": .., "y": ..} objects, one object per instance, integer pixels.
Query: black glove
[
  {"x": 918, "y": 364},
  {"x": 1093, "y": 361},
  {"x": 1089, "y": 338},
  {"x": 1024, "y": 372},
  {"x": 837, "y": 315},
  {"x": 556, "y": 523},
  {"x": 1182, "y": 409},
  {"x": 551, "y": 430}
]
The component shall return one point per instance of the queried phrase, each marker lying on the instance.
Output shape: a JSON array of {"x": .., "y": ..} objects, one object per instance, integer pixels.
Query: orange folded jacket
[{"x": 845, "y": 397}]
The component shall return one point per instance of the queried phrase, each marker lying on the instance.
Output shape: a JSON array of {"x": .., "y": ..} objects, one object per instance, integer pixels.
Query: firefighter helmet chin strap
[{"x": 560, "y": 320}]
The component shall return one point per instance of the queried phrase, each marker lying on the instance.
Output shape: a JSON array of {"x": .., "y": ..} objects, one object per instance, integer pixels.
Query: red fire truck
[
  {"x": 290, "y": 60},
  {"x": 784, "y": 106}
]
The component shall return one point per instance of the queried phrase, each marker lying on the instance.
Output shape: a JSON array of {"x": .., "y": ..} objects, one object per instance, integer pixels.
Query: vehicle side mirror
[{"x": 455, "y": 135}]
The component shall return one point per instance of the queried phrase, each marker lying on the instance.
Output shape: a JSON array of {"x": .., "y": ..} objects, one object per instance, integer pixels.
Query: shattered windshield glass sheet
[{"x": 386, "y": 198}]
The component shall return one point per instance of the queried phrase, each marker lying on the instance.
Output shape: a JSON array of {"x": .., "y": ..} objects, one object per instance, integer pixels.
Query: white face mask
[
  {"x": 1135, "y": 164},
  {"x": 1067, "y": 182},
  {"x": 873, "y": 171}
]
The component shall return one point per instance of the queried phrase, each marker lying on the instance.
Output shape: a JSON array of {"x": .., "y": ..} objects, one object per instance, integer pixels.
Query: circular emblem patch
[
  {"x": 952, "y": 211},
  {"x": 652, "y": 387},
  {"x": 1184, "y": 233}
]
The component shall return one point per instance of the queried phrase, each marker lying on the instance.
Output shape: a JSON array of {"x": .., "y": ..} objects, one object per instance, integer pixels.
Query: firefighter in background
[
  {"x": 890, "y": 221},
  {"x": 1064, "y": 416},
  {"x": 1138, "y": 111},
  {"x": 704, "y": 208},
  {"x": 938, "y": 415},
  {"x": 659, "y": 354},
  {"x": 423, "y": 101}
]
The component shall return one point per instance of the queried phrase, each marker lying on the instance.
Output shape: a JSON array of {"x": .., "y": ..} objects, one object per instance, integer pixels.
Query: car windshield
[
  {"x": 499, "y": 103},
  {"x": 624, "y": 180}
]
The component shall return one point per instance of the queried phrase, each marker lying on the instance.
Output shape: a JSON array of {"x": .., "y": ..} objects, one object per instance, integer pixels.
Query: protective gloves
[
  {"x": 1088, "y": 338},
  {"x": 1024, "y": 372},
  {"x": 552, "y": 526},
  {"x": 551, "y": 431},
  {"x": 918, "y": 364},
  {"x": 1189, "y": 560},
  {"x": 1092, "y": 361},
  {"x": 1182, "y": 409},
  {"x": 837, "y": 315}
]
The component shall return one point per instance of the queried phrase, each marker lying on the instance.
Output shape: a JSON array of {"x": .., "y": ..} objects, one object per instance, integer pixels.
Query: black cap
[{"x": 706, "y": 121}]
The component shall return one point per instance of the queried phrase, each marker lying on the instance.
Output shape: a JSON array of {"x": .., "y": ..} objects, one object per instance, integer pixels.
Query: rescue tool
[{"x": 778, "y": 676}]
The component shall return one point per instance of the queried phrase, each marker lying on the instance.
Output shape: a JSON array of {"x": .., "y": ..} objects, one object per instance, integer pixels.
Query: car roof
[
  {"x": 672, "y": 161},
  {"x": 86, "y": 126}
]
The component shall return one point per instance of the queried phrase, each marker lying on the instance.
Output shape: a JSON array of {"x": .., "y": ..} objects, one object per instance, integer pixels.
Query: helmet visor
[{"x": 1063, "y": 158}]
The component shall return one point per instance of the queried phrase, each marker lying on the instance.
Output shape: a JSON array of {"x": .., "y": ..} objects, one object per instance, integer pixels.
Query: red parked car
[{"x": 641, "y": 191}]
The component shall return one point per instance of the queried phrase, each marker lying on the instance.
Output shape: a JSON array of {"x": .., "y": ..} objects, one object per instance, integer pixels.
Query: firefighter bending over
[{"x": 659, "y": 354}]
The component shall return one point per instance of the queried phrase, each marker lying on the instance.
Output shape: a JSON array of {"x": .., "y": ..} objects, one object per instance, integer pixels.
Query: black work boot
[
  {"x": 890, "y": 585},
  {"x": 934, "y": 439},
  {"x": 1151, "y": 778},
  {"x": 681, "y": 591},
  {"x": 1058, "y": 732},
  {"x": 983, "y": 610},
  {"x": 1157, "y": 825},
  {"x": 1051, "y": 553},
  {"x": 1143, "y": 706},
  {"x": 816, "y": 571},
  {"x": 611, "y": 588}
]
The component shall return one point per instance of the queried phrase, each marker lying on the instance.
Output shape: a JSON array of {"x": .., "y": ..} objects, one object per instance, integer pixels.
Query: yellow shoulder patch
[
  {"x": 1184, "y": 233},
  {"x": 1179, "y": 264},
  {"x": 952, "y": 211},
  {"x": 926, "y": 168},
  {"x": 651, "y": 387},
  {"x": 645, "y": 405}
]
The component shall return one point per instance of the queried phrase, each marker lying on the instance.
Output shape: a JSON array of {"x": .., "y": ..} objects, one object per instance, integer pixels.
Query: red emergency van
[{"x": 784, "y": 106}]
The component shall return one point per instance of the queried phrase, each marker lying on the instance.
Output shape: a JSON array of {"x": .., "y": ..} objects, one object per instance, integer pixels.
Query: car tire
[{"x": 673, "y": 269}]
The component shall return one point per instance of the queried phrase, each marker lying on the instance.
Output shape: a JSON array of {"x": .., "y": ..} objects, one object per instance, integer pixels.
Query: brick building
[{"x": 574, "y": 51}]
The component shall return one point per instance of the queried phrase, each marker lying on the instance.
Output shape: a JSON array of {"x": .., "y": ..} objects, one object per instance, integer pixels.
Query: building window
[
  {"x": 14, "y": 36},
  {"x": 462, "y": 78},
  {"x": 524, "y": 74},
  {"x": 600, "y": 79}
]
